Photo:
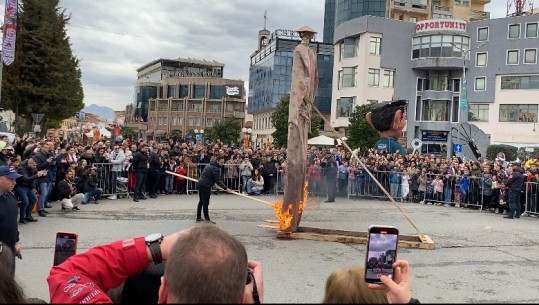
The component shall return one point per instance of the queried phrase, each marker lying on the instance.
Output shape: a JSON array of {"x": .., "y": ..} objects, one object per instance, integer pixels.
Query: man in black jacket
[
  {"x": 153, "y": 174},
  {"x": 330, "y": 172},
  {"x": 210, "y": 175},
  {"x": 9, "y": 230},
  {"x": 140, "y": 165},
  {"x": 25, "y": 189},
  {"x": 514, "y": 184}
]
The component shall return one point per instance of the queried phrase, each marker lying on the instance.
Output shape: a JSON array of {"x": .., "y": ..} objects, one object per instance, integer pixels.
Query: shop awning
[{"x": 149, "y": 132}]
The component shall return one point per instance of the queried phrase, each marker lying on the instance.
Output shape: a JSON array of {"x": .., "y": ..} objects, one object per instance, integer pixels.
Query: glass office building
[
  {"x": 271, "y": 69},
  {"x": 339, "y": 11}
]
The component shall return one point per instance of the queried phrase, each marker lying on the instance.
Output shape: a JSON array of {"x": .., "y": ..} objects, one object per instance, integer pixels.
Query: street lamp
[
  {"x": 464, "y": 89},
  {"x": 246, "y": 137}
]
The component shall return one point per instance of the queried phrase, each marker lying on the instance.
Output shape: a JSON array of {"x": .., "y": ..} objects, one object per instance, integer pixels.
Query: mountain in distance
[{"x": 102, "y": 111}]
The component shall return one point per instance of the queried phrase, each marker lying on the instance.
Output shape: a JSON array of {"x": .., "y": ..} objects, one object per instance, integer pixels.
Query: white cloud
[{"x": 114, "y": 38}]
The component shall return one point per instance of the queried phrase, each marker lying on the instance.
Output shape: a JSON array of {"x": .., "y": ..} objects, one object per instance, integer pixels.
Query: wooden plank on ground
[{"x": 345, "y": 236}]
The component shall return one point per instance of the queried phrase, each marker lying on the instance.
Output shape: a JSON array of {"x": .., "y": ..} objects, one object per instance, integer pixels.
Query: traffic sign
[
  {"x": 457, "y": 148},
  {"x": 416, "y": 143}
]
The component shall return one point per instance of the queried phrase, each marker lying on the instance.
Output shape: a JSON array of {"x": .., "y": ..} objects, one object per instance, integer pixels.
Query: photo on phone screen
[
  {"x": 381, "y": 252},
  {"x": 65, "y": 246}
]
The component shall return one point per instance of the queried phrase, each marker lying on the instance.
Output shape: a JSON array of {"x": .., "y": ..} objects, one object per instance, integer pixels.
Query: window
[
  {"x": 480, "y": 83},
  {"x": 347, "y": 77},
  {"x": 195, "y": 107},
  {"x": 388, "y": 79},
  {"x": 375, "y": 45},
  {"x": 439, "y": 46},
  {"x": 199, "y": 91},
  {"x": 530, "y": 56},
  {"x": 420, "y": 82},
  {"x": 162, "y": 105},
  {"x": 209, "y": 122},
  {"x": 436, "y": 110},
  {"x": 193, "y": 121},
  {"x": 213, "y": 108},
  {"x": 520, "y": 82},
  {"x": 455, "y": 84},
  {"x": 456, "y": 110},
  {"x": 349, "y": 47},
  {"x": 437, "y": 81},
  {"x": 482, "y": 34},
  {"x": 177, "y": 106},
  {"x": 512, "y": 57},
  {"x": 163, "y": 120},
  {"x": 514, "y": 31},
  {"x": 374, "y": 77},
  {"x": 518, "y": 113},
  {"x": 531, "y": 30},
  {"x": 177, "y": 121},
  {"x": 345, "y": 106},
  {"x": 478, "y": 113},
  {"x": 217, "y": 92},
  {"x": 184, "y": 91},
  {"x": 413, "y": 19},
  {"x": 480, "y": 59},
  {"x": 171, "y": 90}
]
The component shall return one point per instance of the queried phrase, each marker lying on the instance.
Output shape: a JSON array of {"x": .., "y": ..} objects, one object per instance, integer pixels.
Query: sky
[{"x": 114, "y": 38}]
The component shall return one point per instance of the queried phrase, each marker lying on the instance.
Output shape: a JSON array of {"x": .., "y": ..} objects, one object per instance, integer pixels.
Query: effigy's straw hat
[{"x": 305, "y": 28}]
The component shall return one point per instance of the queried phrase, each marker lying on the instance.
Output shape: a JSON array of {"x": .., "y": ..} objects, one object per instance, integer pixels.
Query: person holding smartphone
[{"x": 219, "y": 260}]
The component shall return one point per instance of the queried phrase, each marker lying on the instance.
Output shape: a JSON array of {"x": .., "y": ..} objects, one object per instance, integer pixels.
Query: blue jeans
[
  {"x": 113, "y": 181},
  {"x": 141, "y": 182},
  {"x": 448, "y": 192},
  {"x": 96, "y": 193},
  {"x": 169, "y": 183},
  {"x": 28, "y": 199},
  {"x": 44, "y": 193},
  {"x": 251, "y": 188}
]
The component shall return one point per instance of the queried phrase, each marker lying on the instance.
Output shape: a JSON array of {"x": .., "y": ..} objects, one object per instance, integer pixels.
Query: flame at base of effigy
[{"x": 285, "y": 213}]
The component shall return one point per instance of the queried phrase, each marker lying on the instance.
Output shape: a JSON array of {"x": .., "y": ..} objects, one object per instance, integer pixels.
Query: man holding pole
[{"x": 210, "y": 175}]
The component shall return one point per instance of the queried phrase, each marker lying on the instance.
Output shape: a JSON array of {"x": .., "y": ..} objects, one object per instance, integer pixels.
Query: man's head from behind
[
  {"x": 205, "y": 265},
  {"x": 387, "y": 116}
]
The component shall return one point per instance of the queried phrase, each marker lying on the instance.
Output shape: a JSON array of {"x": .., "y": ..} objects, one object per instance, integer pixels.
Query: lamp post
[
  {"x": 246, "y": 137},
  {"x": 464, "y": 90}
]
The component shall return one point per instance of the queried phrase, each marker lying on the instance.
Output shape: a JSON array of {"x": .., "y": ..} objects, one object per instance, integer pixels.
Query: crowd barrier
[
  {"x": 105, "y": 180},
  {"x": 532, "y": 198}
]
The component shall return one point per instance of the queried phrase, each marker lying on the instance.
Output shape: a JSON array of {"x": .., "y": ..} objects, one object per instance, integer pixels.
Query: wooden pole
[{"x": 232, "y": 192}]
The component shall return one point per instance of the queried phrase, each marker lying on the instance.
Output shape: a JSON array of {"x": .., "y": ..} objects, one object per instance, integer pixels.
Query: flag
[
  {"x": 10, "y": 32},
  {"x": 464, "y": 96}
]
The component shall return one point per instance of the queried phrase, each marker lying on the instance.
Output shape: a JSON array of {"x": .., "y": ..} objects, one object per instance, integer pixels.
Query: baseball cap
[{"x": 6, "y": 171}]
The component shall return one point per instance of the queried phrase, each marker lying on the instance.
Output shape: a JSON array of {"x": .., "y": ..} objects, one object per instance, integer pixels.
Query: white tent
[{"x": 323, "y": 141}]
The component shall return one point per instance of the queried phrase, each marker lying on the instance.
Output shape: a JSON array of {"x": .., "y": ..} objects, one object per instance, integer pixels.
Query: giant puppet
[{"x": 304, "y": 84}]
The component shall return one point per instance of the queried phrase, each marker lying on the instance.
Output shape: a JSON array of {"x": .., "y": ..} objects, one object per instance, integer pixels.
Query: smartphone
[
  {"x": 381, "y": 252},
  {"x": 65, "y": 246}
]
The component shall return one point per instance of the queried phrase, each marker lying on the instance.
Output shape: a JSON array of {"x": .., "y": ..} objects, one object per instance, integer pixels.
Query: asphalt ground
[{"x": 479, "y": 257}]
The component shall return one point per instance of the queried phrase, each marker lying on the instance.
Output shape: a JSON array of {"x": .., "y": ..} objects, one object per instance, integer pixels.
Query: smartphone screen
[
  {"x": 65, "y": 246},
  {"x": 381, "y": 252}
]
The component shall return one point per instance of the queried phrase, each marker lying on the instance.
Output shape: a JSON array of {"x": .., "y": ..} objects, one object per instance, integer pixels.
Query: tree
[
  {"x": 279, "y": 119},
  {"x": 226, "y": 130},
  {"x": 45, "y": 77},
  {"x": 175, "y": 135},
  {"x": 362, "y": 135},
  {"x": 128, "y": 132}
]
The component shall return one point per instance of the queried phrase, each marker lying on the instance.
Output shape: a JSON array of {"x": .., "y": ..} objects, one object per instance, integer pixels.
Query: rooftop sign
[{"x": 452, "y": 25}]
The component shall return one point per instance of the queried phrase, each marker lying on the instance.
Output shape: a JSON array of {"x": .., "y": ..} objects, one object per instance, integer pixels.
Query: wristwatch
[{"x": 153, "y": 241}]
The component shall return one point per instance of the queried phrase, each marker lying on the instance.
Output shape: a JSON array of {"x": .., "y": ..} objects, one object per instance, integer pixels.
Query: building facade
[
  {"x": 339, "y": 11},
  {"x": 270, "y": 78},
  {"x": 185, "y": 95},
  {"x": 426, "y": 63}
]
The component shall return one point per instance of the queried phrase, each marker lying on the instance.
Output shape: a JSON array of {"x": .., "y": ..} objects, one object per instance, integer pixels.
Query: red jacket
[{"x": 85, "y": 278}]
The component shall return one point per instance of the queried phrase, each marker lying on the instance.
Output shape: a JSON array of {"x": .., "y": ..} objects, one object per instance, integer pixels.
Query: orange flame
[{"x": 285, "y": 216}]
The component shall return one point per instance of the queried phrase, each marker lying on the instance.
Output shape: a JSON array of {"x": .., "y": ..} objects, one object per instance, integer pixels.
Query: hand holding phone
[
  {"x": 65, "y": 246},
  {"x": 381, "y": 253}
]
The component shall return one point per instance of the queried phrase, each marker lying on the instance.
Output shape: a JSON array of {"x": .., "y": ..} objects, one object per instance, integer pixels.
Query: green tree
[
  {"x": 175, "y": 135},
  {"x": 362, "y": 135},
  {"x": 279, "y": 119},
  {"x": 45, "y": 77},
  {"x": 227, "y": 130},
  {"x": 128, "y": 132}
]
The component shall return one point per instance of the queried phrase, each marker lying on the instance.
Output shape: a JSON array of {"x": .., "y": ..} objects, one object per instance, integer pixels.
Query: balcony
[
  {"x": 442, "y": 10},
  {"x": 410, "y": 6},
  {"x": 478, "y": 15},
  {"x": 480, "y": 1},
  {"x": 427, "y": 63}
]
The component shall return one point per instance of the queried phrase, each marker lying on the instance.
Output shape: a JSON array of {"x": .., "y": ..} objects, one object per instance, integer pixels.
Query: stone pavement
[{"x": 479, "y": 257}]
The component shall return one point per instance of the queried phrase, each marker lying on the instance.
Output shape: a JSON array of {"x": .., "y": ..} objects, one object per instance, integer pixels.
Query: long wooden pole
[
  {"x": 421, "y": 235},
  {"x": 232, "y": 192}
]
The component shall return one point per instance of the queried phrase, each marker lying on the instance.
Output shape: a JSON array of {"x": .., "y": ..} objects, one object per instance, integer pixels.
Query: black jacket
[
  {"x": 140, "y": 162},
  {"x": 28, "y": 176},
  {"x": 64, "y": 189},
  {"x": 9, "y": 230},
  {"x": 42, "y": 164},
  {"x": 155, "y": 161},
  {"x": 516, "y": 182},
  {"x": 210, "y": 176}
]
